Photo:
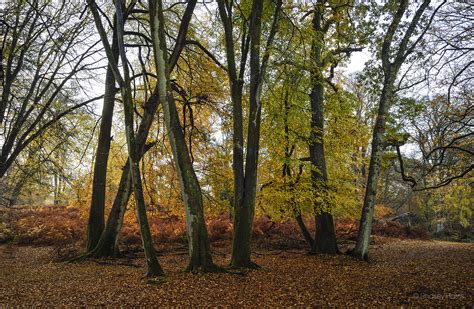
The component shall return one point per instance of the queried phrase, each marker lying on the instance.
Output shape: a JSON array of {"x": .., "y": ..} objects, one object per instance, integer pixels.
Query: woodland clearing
[{"x": 400, "y": 272}]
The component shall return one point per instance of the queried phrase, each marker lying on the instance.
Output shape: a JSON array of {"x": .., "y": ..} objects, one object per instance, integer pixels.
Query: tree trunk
[
  {"x": 286, "y": 173},
  {"x": 154, "y": 268},
  {"x": 108, "y": 245},
  {"x": 304, "y": 230},
  {"x": 199, "y": 250},
  {"x": 325, "y": 238},
  {"x": 390, "y": 69},
  {"x": 16, "y": 192},
  {"x": 95, "y": 224},
  {"x": 245, "y": 178},
  {"x": 365, "y": 227},
  {"x": 244, "y": 212}
]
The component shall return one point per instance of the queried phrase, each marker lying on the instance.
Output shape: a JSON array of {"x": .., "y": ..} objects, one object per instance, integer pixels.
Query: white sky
[{"x": 357, "y": 62}]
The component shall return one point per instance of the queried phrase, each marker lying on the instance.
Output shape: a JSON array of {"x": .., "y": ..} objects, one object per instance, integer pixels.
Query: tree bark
[
  {"x": 325, "y": 237},
  {"x": 154, "y": 268},
  {"x": 245, "y": 178},
  {"x": 96, "y": 223},
  {"x": 108, "y": 244},
  {"x": 365, "y": 227},
  {"x": 199, "y": 250},
  {"x": 390, "y": 69},
  {"x": 244, "y": 212}
]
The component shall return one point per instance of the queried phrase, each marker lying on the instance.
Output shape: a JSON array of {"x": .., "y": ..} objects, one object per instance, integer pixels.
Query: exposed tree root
[{"x": 246, "y": 264}]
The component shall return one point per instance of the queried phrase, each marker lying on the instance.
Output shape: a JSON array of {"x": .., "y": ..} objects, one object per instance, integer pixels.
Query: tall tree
[
  {"x": 96, "y": 222},
  {"x": 154, "y": 268},
  {"x": 392, "y": 59},
  {"x": 245, "y": 176},
  {"x": 108, "y": 243},
  {"x": 325, "y": 238},
  {"x": 199, "y": 250},
  {"x": 330, "y": 20}
]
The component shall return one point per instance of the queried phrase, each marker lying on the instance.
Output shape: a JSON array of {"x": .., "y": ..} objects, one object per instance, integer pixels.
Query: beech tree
[
  {"x": 96, "y": 222},
  {"x": 108, "y": 243},
  {"x": 245, "y": 175},
  {"x": 154, "y": 268},
  {"x": 322, "y": 57},
  {"x": 393, "y": 54},
  {"x": 198, "y": 242}
]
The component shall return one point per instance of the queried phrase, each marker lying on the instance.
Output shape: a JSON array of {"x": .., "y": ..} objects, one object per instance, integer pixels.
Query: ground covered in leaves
[{"x": 401, "y": 272}]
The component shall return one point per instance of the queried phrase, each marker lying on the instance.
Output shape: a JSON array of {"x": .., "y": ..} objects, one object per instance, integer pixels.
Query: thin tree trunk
[
  {"x": 154, "y": 268},
  {"x": 199, "y": 250},
  {"x": 108, "y": 244},
  {"x": 16, "y": 192},
  {"x": 390, "y": 69},
  {"x": 236, "y": 81},
  {"x": 287, "y": 174},
  {"x": 56, "y": 189},
  {"x": 95, "y": 224},
  {"x": 363, "y": 238},
  {"x": 304, "y": 230}
]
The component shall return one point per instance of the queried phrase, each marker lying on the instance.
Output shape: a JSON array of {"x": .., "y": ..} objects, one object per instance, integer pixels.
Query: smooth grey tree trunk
[{"x": 390, "y": 69}]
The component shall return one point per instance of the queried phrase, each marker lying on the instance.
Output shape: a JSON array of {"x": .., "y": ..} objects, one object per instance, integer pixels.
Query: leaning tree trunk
[
  {"x": 108, "y": 244},
  {"x": 95, "y": 224},
  {"x": 325, "y": 237},
  {"x": 199, "y": 250},
  {"x": 390, "y": 69},
  {"x": 363, "y": 239},
  {"x": 154, "y": 268},
  {"x": 286, "y": 173}
]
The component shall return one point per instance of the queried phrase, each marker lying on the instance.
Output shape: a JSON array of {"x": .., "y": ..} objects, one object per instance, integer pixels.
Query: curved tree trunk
[
  {"x": 95, "y": 224},
  {"x": 390, "y": 69},
  {"x": 154, "y": 268},
  {"x": 199, "y": 250},
  {"x": 108, "y": 244}
]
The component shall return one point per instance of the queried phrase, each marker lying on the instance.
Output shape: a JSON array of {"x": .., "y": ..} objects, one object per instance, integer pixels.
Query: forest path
[{"x": 401, "y": 272}]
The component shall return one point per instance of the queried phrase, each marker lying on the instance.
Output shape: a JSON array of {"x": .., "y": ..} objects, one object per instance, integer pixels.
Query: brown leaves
[{"x": 401, "y": 272}]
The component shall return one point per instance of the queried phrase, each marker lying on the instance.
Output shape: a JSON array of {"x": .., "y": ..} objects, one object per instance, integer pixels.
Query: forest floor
[{"x": 400, "y": 272}]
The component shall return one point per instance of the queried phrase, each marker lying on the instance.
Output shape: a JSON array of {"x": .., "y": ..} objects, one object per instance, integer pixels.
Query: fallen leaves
[{"x": 401, "y": 272}]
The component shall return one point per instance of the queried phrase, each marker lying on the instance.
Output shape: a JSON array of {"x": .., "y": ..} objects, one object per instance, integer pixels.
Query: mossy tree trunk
[
  {"x": 108, "y": 244},
  {"x": 199, "y": 251},
  {"x": 154, "y": 268}
]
